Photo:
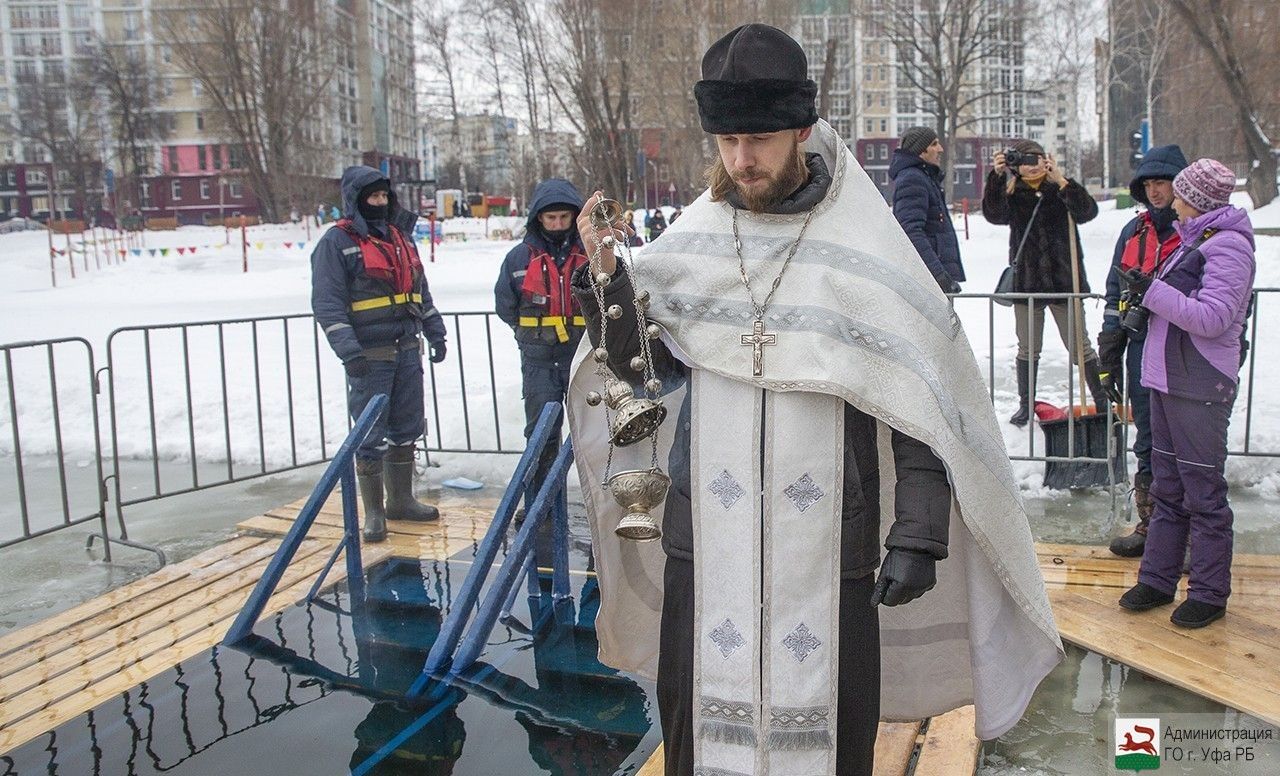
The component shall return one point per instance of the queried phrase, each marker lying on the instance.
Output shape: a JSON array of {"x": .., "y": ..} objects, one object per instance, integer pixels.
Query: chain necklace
[{"x": 757, "y": 338}]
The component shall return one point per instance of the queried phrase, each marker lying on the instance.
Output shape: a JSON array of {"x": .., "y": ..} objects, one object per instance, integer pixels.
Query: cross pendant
[{"x": 757, "y": 339}]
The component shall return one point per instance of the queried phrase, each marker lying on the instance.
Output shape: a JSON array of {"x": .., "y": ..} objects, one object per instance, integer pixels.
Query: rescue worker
[
  {"x": 533, "y": 297},
  {"x": 1144, "y": 244},
  {"x": 369, "y": 294}
]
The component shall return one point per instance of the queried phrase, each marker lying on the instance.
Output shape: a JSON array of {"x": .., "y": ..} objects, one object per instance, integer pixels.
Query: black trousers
[{"x": 858, "y": 697}]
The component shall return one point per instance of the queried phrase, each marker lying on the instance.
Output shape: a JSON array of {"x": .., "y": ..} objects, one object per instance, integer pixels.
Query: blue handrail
[
  {"x": 451, "y": 631},
  {"x": 342, "y": 467}
]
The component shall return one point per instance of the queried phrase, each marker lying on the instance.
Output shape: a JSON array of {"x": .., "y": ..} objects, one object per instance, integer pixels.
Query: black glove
[
  {"x": 905, "y": 575},
  {"x": 357, "y": 367},
  {"x": 947, "y": 284},
  {"x": 1110, "y": 358},
  {"x": 437, "y": 352},
  {"x": 1137, "y": 282}
]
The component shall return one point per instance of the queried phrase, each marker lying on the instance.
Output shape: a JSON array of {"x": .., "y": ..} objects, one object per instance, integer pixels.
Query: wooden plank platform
[{"x": 59, "y": 668}]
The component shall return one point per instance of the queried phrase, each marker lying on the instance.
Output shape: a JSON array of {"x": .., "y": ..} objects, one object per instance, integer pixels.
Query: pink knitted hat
[{"x": 1205, "y": 185}]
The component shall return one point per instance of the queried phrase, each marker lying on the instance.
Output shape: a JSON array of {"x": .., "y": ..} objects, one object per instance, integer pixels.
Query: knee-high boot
[
  {"x": 369, "y": 479},
  {"x": 398, "y": 472},
  {"x": 1026, "y": 391}
]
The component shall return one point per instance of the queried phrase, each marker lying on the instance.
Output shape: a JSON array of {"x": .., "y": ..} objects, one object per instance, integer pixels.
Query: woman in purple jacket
[{"x": 1198, "y": 303}]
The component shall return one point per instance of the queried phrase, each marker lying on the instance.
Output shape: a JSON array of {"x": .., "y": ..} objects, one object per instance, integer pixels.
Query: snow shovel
[{"x": 1095, "y": 435}]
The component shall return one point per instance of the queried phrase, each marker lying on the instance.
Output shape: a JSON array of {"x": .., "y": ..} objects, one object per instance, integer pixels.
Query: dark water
[{"x": 321, "y": 689}]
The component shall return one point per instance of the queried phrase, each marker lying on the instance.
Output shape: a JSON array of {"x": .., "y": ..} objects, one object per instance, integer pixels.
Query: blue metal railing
[
  {"x": 341, "y": 468},
  {"x": 550, "y": 496}
]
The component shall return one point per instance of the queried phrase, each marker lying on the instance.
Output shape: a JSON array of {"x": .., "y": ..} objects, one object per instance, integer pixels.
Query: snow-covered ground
[{"x": 209, "y": 285}]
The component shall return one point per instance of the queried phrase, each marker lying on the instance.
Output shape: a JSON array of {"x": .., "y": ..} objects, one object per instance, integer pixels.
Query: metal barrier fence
[{"x": 201, "y": 404}]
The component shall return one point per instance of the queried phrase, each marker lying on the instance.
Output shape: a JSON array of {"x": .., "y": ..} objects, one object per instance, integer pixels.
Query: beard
[{"x": 762, "y": 196}]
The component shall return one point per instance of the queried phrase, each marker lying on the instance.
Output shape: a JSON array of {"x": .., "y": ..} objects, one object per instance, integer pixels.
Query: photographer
[
  {"x": 1145, "y": 244},
  {"x": 1198, "y": 303},
  {"x": 1026, "y": 190}
]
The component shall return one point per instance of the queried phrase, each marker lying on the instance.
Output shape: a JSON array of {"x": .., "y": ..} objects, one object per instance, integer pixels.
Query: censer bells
[{"x": 634, "y": 417}]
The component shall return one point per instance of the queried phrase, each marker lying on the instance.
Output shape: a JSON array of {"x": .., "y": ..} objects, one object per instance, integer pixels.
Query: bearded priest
[{"x": 829, "y": 403}]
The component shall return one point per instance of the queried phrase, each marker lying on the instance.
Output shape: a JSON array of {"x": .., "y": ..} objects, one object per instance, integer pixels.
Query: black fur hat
[{"x": 755, "y": 79}]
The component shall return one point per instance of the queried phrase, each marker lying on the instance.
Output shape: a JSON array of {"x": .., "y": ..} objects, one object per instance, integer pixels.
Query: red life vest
[
  {"x": 546, "y": 292},
  {"x": 394, "y": 261},
  {"x": 1146, "y": 250}
]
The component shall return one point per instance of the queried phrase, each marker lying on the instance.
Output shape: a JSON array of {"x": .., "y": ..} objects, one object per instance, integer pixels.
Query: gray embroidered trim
[
  {"x": 804, "y": 492},
  {"x": 699, "y": 771},
  {"x": 728, "y": 638},
  {"x": 737, "y": 712},
  {"x": 798, "y": 728},
  {"x": 800, "y": 642},
  {"x": 727, "y": 489}
]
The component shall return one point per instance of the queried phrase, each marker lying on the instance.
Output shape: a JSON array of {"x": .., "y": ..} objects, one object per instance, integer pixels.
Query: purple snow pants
[{"x": 1188, "y": 452}]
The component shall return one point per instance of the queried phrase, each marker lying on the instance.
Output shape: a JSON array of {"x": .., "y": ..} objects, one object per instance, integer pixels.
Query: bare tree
[
  {"x": 1211, "y": 25},
  {"x": 941, "y": 47},
  {"x": 131, "y": 91},
  {"x": 58, "y": 112},
  {"x": 266, "y": 67}
]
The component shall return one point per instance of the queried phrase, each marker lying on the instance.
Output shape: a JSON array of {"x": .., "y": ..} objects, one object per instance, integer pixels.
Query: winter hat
[
  {"x": 1026, "y": 147},
  {"x": 917, "y": 139},
  {"x": 755, "y": 79},
  {"x": 1205, "y": 185},
  {"x": 379, "y": 185},
  {"x": 1159, "y": 163}
]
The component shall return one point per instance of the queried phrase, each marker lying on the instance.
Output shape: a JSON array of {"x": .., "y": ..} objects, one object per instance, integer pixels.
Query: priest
[{"x": 828, "y": 403}]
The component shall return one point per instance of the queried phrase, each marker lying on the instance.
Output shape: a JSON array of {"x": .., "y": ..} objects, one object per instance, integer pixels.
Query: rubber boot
[
  {"x": 1131, "y": 545},
  {"x": 1091, "y": 376},
  {"x": 1023, "y": 414},
  {"x": 397, "y": 469},
  {"x": 369, "y": 479}
]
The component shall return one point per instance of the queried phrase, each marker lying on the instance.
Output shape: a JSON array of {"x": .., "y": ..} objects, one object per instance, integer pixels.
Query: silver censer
[{"x": 632, "y": 418}]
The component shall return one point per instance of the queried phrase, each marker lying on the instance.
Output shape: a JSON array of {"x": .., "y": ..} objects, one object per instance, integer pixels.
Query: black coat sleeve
[
  {"x": 911, "y": 208},
  {"x": 922, "y": 499},
  {"x": 624, "y": 333},
  {"x": 995, "y": 199},
  {"x": 1079, "y": 202}
]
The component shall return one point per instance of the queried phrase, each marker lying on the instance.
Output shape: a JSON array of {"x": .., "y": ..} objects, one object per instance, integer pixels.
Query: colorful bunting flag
[
  {"x": 164, "y": 251},
  {"x": 151, "y": 251},
  {"x": 288, "y": 245},
  {"x": 136, "y": 251},
  {"x": 181, "y": 251}
]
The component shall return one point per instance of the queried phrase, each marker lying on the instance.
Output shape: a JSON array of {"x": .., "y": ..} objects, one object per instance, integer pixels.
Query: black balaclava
[
  {"x": 556, "y": 237},
  {"x": 375, "y": 216},
  {"x": 1162, "y": 218}
]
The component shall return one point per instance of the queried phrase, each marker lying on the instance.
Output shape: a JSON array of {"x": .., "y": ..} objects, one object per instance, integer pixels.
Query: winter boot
[
  {"x": 397, "y": 469},
  {"x": 1025, "y": 391},
  {"x": 1091, "y": 376},
  {"x": 1142, "y": 597},
  {"x": 369, "y": 478},
  {"x": 1196, "y": 614},
  {"x": 1131, "y": 545}
]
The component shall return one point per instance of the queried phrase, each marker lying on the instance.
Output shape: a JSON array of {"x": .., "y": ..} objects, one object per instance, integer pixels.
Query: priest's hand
[
  {"x": 905, "y": 575},
  {"x": 592, "y": 237}
]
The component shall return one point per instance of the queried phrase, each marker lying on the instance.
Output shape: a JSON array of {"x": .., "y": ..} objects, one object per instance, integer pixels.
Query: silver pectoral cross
[{"x": 757, "y": 339}]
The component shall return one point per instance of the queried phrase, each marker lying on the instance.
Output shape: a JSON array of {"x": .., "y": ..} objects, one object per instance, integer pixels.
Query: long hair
[{"x": 718, "y": 180}]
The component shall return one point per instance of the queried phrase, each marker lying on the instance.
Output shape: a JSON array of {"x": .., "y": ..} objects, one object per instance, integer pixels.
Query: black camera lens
[{"x": 1135, "y": 319}]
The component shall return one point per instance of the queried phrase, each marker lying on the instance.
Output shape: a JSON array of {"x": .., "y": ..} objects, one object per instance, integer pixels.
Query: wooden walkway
[{"x": 59, "y": 668}]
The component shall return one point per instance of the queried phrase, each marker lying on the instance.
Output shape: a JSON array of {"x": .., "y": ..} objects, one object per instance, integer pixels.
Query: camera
[
  {"x": 1014, "y": 159},
  {"x": 1133, "y": 316}
]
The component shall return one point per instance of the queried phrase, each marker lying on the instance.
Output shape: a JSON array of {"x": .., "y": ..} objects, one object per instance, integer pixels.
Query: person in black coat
[
  {"x": 1038, "y": 203},
  {"x": 920, "y": 205}
]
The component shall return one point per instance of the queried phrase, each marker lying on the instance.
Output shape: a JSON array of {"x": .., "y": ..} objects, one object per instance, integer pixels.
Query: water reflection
[{"x": 321, "y": 689}]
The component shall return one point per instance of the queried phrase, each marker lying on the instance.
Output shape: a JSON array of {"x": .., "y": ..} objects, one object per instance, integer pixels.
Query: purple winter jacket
[{"x": 1198, "y": 304}]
